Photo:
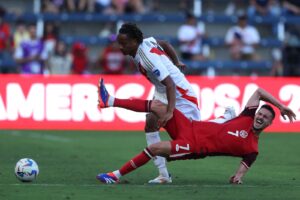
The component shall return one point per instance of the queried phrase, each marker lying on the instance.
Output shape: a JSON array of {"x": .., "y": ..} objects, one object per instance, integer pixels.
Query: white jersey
[{"x": 153, "y": 63}]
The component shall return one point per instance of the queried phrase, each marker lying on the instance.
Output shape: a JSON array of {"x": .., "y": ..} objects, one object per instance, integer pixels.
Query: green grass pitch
[{"x": 70, "y": 160}]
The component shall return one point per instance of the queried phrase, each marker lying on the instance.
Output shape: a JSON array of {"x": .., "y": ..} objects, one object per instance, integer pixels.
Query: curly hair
[{"x": 132, "y": 31}]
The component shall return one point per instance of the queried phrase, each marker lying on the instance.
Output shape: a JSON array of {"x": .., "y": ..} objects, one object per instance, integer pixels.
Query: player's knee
[
  {"x": 160, "y": 149},
  {"x": 155, "y": 149},
  {"x": 151, "y": 123}
]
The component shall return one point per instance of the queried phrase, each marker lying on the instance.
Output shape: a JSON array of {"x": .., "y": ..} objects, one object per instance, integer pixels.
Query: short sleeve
[
  {"x": 249, "y": 111},
  {"x": 152, "y": 63},
  {"x": 249, "y": 159}
]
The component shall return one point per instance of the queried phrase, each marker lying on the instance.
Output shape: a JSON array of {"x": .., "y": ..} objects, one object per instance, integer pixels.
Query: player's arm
[
  {"x": 170, "y": 51},
  {"x": 261, "y": 94},
  {"x": 171, "y": 96},
  {"x": 244, "y": 166}
]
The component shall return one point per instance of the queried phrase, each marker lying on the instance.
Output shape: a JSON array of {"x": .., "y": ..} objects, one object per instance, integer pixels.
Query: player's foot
[
  {"x": 107, "y": 178},
  {"x": 229, "y": 113},
  {"x": 102, "y": 94},
  {"x": 161, "y": 180}
]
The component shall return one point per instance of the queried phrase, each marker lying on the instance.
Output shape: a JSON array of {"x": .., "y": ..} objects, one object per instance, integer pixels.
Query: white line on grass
[
  {"x": 146, "y": 185},
  {"x": 42, "y": 136}
]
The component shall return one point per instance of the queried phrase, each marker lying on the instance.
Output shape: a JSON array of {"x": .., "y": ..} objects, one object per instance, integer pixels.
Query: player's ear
[{"x": 270, "y": 122}]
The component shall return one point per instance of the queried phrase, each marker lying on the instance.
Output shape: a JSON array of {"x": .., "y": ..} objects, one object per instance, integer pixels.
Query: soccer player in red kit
[{"x": 194, "y": 139}]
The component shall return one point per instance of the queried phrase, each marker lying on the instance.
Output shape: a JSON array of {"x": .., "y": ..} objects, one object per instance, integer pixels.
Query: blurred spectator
[
  {"x": 6, "y": 47},
  {"x": 134, "y": 6},
  {"x": 185, "y": 5},
  {"x": 80, "y": 5},
  {"x": 291, "y": 61},
  {"x": 112, "y": 60},
  {"x": 107, "y": 29},
  {"x": 277, "y": 67},
  {"x": 21, "y": 33},
  {"x": 291, "y": 50},
  {"x": 80, "y": 58},
  {"x": 50, "y": 35},
  {"x": 291, "y": 7},
  {"x": 60, "y": 61},
  {"x": 31, "y": 54},
  {"x": 103, "y": 6},
  {"x": 128, "y": 6},
  {"x": 263, "y": 8},
  {"x": 190, "y": 38},
  {"x": 242, "y": 40},
  {"x": 235, "y": 6},
  {"x": 53, "y": 6}
]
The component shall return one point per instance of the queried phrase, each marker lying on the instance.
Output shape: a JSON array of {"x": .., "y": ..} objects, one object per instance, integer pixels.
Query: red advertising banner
[{"x": 70, "y": 102}]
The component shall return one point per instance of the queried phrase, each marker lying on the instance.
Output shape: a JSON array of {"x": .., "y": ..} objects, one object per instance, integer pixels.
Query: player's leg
[
  {"x": 161, "y": 148},
  {"x": 106, "y": 100},
  {"x": 151, "y": 127},
  {"x": 152, "y": 137}
]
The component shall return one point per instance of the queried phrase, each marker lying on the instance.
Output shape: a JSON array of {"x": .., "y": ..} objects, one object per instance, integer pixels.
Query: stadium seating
[{"x": 90, "y": 36}]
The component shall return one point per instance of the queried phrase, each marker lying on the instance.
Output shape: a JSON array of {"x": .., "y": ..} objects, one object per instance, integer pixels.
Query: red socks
[
  {"x": 133, "y": 104},
  {"x": 136, "y": 162}
]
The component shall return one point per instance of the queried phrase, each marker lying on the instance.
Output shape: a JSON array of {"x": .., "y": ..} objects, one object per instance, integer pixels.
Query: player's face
[
  {"x": 263, "y": 118},
  {"x": 127, "y": 45}
]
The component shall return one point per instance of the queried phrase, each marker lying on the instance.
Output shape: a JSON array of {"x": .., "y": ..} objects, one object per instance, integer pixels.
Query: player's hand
[
  {"x": 285, "y": 111},
  {"x": 163, "y": 120},
  {"x": 181, "y": 66},
  {"x": 235, "y": 180}
]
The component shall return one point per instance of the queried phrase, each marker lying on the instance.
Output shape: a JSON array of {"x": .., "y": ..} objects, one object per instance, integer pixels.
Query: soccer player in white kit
[{"x": 158, "y": 62}]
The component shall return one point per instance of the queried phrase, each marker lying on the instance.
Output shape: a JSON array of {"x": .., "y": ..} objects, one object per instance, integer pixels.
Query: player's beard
[{"x": 257, "y": 130}]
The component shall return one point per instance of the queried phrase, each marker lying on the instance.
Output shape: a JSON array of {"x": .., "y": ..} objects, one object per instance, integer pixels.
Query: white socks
[
  {"x": 159, "y": 162},
  {"x": 117, "y": 174},
  {"x": 110, "y": 101}
]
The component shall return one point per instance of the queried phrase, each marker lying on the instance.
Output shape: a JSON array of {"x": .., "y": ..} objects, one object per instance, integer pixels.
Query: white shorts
[{"x": 189, "y": 109}]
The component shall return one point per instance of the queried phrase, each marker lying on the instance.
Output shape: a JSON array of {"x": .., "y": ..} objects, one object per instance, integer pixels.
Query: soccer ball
[{"x": 26, "y": 170}]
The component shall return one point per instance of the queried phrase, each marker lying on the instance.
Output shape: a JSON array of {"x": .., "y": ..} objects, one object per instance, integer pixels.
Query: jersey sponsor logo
[
  {"x": 156, "y": 72},
  {"x": 243, "y": 134}
]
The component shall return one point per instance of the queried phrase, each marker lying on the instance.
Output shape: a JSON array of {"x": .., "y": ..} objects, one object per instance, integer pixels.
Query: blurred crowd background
[{"x": 213, "y": 37}]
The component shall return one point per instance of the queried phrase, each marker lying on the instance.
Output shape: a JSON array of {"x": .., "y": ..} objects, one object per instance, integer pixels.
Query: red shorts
[{"x": 181, "y": 132}]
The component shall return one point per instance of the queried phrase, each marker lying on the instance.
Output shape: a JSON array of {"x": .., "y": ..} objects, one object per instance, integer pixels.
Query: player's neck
[
  {"x": 134, "y": 52},
  {"x": 257, "y": 131}
]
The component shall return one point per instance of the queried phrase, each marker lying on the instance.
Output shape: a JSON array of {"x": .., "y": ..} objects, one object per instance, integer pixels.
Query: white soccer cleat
[
  {"x": 229, "y": 113},
  {"x": 161, "y": 180}
]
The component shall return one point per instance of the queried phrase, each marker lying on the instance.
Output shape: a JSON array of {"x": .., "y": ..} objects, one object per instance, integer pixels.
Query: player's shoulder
[
  {"x": 149, "y": 39},
  {"x": 149, "y": 42},
  {"x": 249, "y": 111},
  {"x": 147, "y": 45}
]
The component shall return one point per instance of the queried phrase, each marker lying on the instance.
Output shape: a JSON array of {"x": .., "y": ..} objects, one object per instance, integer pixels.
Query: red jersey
[
  {"x": 113, "y": 61},
  {"x": 192, "y": 140},
  {"x": 4, "y": 35},
  {"x": 235, "y": 137}
]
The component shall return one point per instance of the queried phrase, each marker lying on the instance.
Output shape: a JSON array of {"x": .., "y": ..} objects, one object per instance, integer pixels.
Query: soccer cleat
[
  {"x": 102, "y": 95},
  {"x": 161, "y": 180},
  {"x": 107, "y": 178},
  {"x": 229, "y": 113}
]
